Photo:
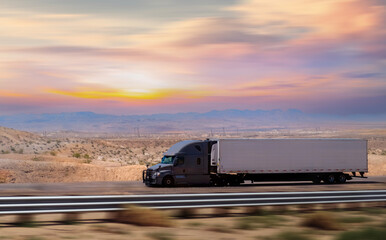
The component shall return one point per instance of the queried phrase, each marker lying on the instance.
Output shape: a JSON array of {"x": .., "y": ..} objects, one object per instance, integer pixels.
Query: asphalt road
[{"x": 101, "y": 188}]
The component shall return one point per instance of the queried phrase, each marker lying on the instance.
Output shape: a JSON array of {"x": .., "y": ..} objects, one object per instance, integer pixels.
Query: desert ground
[
  {"x": 77, "y": 163},
  {"x": 79, "y": 157}
]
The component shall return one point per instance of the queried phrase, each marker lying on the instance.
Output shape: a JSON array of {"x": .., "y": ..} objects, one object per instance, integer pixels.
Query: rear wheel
[
  {"x": 220, "y": 181},
  {"x": 168, "y": 181},
  {"x": 212, "y": 182},
  {"x": 329, "y": 179},
  {"x": 234, "y": 182},
  {"x": 341, "y": 178}
]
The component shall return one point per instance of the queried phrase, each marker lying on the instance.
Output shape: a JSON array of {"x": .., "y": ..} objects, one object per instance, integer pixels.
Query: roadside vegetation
[{"x": 141, "y": 223}]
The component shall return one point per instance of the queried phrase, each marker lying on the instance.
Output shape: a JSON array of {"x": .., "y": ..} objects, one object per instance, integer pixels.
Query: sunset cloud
[
  {"x": 117, "y": 94},
  {"x": 191, "y": 56}
]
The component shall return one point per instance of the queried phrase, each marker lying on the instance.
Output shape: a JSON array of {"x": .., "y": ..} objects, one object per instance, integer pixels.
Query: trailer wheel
[
  {"x": 330, "y": 179},
  {"x": 341, "y": 178},
  {"x": 168, "y": 181},
  {"x": 234, "y": 182},
  {"x": 316, "y": 180}
]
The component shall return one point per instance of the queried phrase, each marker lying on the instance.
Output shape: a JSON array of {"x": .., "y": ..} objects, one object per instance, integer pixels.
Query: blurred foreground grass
[{"x": 142, "y": 223}]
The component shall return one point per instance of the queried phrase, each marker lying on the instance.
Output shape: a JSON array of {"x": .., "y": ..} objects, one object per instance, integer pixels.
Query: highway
[
  {"x": 136, "y": 188},
  {"x": 103, "y": 203}
]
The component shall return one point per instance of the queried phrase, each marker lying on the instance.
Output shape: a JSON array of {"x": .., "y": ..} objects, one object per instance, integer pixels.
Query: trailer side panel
[{"x": 291, "y": 155}]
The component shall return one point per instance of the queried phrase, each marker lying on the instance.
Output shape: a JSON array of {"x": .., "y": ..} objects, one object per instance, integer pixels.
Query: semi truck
[{"x": 222, "y": 162}]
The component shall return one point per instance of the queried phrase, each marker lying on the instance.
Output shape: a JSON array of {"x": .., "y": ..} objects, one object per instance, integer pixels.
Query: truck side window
[
  {"x": 198, "y": 147},
  {"x": 198, "y": 161},
  {"x": 180, "y": 161}
]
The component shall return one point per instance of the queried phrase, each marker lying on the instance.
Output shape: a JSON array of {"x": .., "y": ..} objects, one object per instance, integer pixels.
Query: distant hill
[
  {"x": 9, "y": 134},
  {"x": 231, "y": 120},
  {"x": 11, "y": 139}
]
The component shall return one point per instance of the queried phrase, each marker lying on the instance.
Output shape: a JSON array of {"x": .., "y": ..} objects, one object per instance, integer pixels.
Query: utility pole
[{"x": 136, "y": 131}]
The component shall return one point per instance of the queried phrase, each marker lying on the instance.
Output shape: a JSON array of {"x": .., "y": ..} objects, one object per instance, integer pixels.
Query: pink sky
[{"x": 123, "y": 57}]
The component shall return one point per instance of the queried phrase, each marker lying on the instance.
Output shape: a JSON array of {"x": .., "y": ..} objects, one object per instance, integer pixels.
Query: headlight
[{"x": 158, "y": 173}]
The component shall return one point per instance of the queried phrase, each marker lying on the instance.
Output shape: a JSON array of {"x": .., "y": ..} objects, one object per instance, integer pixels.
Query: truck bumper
[
  {"x": 151, "y": 182},
  {"x": 147, "y": 178}
]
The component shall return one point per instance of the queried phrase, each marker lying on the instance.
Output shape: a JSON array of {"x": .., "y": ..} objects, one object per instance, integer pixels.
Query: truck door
[
  {"x": 196, "y": 169},
  {"x": 195, "y": 163},
  {"x": 179, "y": 170}
]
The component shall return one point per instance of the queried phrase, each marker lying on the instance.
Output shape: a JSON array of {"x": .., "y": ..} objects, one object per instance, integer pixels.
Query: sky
[{"x": 144, "y": 57}]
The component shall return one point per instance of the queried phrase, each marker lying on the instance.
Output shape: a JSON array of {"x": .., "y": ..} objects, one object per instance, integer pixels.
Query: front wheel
[{"x": 168, "y": 181}]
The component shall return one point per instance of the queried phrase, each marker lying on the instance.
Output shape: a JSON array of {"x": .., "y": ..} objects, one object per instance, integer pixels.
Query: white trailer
[
  {"x": 283, "y": 159},
  {"x": 289, "y": 155}
]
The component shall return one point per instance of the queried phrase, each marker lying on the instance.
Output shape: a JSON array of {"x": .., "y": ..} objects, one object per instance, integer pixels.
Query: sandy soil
[
  {"x": 377, "y": 165},
  {"x": 27, "y": 171}
]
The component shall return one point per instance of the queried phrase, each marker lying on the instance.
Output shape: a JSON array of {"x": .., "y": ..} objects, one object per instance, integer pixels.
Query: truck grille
[{"x": 146, "y": 175}]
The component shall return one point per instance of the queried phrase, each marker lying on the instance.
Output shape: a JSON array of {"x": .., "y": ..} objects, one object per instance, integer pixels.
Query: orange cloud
[
  {"x": 117, "y": 94},
  {"x": 4, "y": 93}
]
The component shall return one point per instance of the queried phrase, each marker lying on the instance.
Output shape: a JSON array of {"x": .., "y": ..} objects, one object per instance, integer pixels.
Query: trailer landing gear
[{"x": 360, "y": 173}]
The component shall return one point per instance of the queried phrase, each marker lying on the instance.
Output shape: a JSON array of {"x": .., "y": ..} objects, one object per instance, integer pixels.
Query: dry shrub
[
  {"x": 186, "y": 213},
  {"x": 322, "y": 221},
  {"x": 368, "y": 234},
  {"x": 143, "y": 217}
]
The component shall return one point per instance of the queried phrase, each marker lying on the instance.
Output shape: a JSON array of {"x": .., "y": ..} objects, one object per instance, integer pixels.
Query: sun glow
[{"x": 117, "y": 94}]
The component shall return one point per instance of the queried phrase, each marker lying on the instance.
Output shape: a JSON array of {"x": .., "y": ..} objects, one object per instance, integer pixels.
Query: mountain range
[{"x": 231, "y": 120}]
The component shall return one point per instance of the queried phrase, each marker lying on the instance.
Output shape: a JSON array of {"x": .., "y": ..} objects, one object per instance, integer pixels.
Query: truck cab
[{"x": 185, "y": 163}]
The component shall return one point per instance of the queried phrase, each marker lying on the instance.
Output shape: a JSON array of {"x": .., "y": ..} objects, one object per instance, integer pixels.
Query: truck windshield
[{"x": 167, "y": 160}]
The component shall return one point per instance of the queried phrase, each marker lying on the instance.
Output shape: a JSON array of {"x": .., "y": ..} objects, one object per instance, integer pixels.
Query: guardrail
[{"x": 106, "y": 203}]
